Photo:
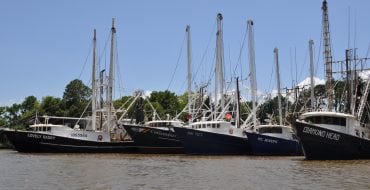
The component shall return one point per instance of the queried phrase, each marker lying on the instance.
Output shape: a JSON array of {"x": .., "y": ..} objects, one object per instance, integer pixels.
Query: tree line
[{"x": 76, "y": 98}]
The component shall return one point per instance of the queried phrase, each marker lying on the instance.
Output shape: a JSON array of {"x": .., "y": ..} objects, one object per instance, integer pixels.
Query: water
[{"x": 132, "y": 171}]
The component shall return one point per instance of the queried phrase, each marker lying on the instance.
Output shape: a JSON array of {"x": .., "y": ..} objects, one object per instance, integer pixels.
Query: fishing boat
[
  {"x": 216, "y": 137},
  {"x": 158, "y": 135},
  {"x": 273, "y": 139},
  {"x": 101, "y": 133},
  {"x": 326, "y": 133},
  {"x": 215, "y": 134}
]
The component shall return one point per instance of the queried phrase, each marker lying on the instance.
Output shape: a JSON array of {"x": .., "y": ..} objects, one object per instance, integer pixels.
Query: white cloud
[
  {"x": 147, "y": 93},
  {"x": 306, "y": 83},
  {"x": 364, "y": 74}
]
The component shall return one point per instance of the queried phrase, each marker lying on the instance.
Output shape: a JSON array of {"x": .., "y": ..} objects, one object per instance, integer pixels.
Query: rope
[
  {"x": 118, "y": 73},
  {"x": 87, "y": 57},
  {"x": 177, "y": 64},
  {"x": 205, "y": 52},
  {"x": 304, "y": 64},
  {"x": 240, "y": 55}
]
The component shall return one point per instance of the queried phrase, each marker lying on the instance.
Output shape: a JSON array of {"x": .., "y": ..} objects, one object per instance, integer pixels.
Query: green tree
[
  {"x": 12, "y": 116},
  {"x": 271, "y": 107},
  {"x": 28, "y": 110},
  {"x": 76, "y": 97},
  {"x": 168, "y": 100},
  {"x": 125, "y": 101},
  {"x": 52, "y": 106},
  {"x": 149, "y": 112},
  {"x": 3, "y": 121}
]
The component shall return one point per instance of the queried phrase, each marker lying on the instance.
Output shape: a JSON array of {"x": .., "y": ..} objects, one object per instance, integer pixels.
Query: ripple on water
[{"x": 133, "y": 171}]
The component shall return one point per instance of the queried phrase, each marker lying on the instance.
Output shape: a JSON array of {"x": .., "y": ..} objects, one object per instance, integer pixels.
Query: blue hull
[
  {"x": 273, "y": 146},
  {"x": 154, "y": 141},
  {"x": 323, "y": 144},
  {"x": 208, "y": 143}
]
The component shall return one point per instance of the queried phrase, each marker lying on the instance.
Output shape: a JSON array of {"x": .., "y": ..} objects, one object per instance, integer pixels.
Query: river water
[{"x": 133, "y": 171}]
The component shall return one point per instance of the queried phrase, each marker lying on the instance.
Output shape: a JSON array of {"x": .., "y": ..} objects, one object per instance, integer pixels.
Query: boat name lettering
[
  {"x": 39, "y": 136},
  {"x": 267, "y": 140},
  {"x": 48, "y": 137},
  {"x": 193, "y": 133},
  {"x": 321, "y": 133},
  {"x": 78, "y": 135},
  {"x": 160, "y": 133},
  {"x": 36, "y": 136}
]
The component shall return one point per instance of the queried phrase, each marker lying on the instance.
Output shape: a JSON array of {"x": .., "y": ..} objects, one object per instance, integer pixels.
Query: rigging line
[
  {"x": 295, "y": 63},
  {"x": 319, "y": 55},
  {"x": 120, "y": 81},
  {"x": 205, "y": 52},
  {"x": 87, "y": 106},
  {"x": 212, "y": 73},
  {"x": 104, "y": 51},
  {"x": 87, "y": 57},
  {"x": 367, "y": 54},
  {"x": 349, "y": 26},
  {"x": 231, "y": 74},
  {"x": 271, "y": 76},
  {"x": 368, "y": 51},
  {"x": 304, "y": 63},
  {"x": 203, "y": 58},
  {"x": 291, "y": 65},
  {"x": 177, "y": 64},
  {"x": 240, "y": 54}
]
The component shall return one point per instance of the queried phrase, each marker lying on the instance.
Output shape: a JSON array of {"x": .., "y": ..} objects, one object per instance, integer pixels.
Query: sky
[{"x": 46, "y": 44}]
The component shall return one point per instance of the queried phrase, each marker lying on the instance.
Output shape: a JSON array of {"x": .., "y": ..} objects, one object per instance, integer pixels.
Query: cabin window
[
  {"x": 213, "y": 125},
  {"x": 327, "y": 120},
  {"x": 218, "y": 125},
  {"x": 270, "y": 130}
]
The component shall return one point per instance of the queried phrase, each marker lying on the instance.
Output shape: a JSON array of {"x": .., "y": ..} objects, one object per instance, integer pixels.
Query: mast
[
  {"x": 189, "y": 70},
  {"x": 276, "y": 53},
  {"x": 310, "y": 43},
  {"x": 219, "y": 62},
  {"x": 327, "y": 54},
  {"x": 237, "y": 118},
  {"x": 94, "y": 89},
  {"x": 349, "y": 82},
  {"x": 111, "y": 77},
  {"x": 252, "y": 69}
]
